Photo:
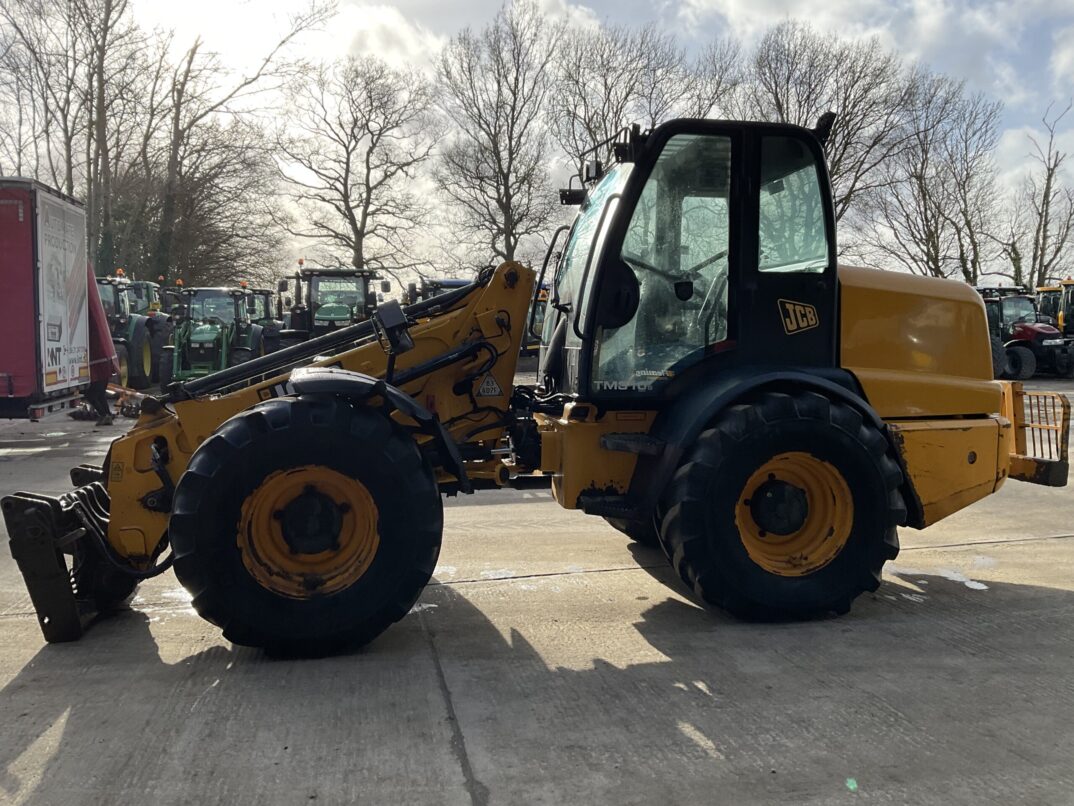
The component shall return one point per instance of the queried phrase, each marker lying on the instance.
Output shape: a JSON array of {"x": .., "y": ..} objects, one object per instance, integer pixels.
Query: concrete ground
[{"x": 551, "y": 662}]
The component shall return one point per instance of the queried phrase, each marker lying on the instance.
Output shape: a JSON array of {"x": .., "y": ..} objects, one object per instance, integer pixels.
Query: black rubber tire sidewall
[
  {"x": 706, "y": 490},
  {"x": 290, "y": 432},
  {"x": 1022, "y": 362}
]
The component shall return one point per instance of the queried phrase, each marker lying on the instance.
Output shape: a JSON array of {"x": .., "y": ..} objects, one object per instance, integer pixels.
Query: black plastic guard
[{"x": 41, "y": 530}]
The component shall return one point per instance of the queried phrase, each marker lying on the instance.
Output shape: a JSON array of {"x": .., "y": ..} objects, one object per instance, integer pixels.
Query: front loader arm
[{"x": 458, "y": 378}]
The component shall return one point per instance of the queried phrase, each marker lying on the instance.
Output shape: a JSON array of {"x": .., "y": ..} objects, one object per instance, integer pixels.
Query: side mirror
[
  {"x": 287, "y": 302},
  {"x": 385, "y": 286},
  {"x": 411, "y": 293},
  {"x": 281, "y": 286}
]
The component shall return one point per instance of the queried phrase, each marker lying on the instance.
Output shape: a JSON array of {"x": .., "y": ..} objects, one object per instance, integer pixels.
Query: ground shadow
[{"x": 929, "y": 692}]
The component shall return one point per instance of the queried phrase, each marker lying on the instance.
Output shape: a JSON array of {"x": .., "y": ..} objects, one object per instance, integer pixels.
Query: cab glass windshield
[
  {"x": 1018, "y": 310},
  {"x": 139, "y": 299},
  {"x": 568, "y": 280},
  {"x": 212, "y": 305},
  {"x": 349, "y": 291}
]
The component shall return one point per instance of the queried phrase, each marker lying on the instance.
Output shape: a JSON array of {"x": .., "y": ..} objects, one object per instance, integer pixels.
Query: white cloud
[
  {"x": 383, "y": 31},
  {"x": 1062, "y": 61}
]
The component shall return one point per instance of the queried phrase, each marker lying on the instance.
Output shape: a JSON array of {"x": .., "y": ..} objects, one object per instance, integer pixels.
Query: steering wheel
[
  {"x": 644, "y": 264},
  {"x": 693, "y": 270},
  {"x": 707, "y": 262}
]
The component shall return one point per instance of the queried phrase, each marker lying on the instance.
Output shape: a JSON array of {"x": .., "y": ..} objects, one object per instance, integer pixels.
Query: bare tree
[
  {"x": 1041, "y": 225},
  {"x": 904, "y": 220},
  {"x": 197, "y": 97},
  {"x": 494, "y": 87},
  {"x": 350, "y": 155},
  {"x": 968, "y": 182},
  {"x": 610, "y": 77},
  {"x": 796, "y": 74}
]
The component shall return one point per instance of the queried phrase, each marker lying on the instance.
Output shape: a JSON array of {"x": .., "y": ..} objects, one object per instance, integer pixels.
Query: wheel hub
[
  {"x": 311, "y": 522},
  {"x": 308, "y": 531},
  {"x": 779, "y": 507}
]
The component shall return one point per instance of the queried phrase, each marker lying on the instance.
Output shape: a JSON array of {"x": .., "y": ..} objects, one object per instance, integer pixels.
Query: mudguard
[{"x": 360, "y": 387}]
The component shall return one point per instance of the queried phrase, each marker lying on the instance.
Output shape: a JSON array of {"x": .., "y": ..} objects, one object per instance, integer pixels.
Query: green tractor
[
  {"x": 130, "y": 334},
  {"x": 212, "y": 331},
  {"x": 267, "y": 311},
  {"x": 329, "y": 299},
  {"x": 145, "y": 300}
]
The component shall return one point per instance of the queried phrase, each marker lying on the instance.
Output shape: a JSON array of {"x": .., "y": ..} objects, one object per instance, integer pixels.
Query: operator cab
[
  {"x": 113, "y": 293},
  {"x": 709, "y": 244},
  {"x": 225, "y": 306}
]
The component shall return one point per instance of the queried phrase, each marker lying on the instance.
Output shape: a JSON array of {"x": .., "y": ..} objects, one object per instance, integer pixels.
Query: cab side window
[{"x": 792, "y": 235}]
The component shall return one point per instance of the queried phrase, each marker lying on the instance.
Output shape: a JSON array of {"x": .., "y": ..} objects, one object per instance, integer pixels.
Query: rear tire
[
  {"x": 1021, "y": 362},
  {"x": 705, "y": 534},
  {"x": 232, "y": 467},
  {"x": 1000, "y": 368},
  {"x": 166, "y": 368},
  {"x": 141, "y": 358}
]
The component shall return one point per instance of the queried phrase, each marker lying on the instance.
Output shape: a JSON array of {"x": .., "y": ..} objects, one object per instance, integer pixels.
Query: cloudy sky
[{"x": 1020, "y": 51}]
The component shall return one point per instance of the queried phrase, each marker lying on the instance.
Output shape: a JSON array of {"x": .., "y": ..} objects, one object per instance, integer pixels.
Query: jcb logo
[{"x": 797, "y": 316}]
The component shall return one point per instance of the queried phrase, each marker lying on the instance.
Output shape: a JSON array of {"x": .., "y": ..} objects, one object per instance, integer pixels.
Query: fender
[
  {"x": 679, "y": 425},
  {"x": 359, "y": 387}
]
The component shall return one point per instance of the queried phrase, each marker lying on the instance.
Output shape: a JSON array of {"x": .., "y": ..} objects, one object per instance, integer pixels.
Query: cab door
[{"x": 789, "y": 289}]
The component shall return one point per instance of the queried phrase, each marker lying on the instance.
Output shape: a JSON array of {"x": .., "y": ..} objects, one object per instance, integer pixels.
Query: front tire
[
  {"x": 785, "y": 508},
  {"x": 348, "y": 561}
]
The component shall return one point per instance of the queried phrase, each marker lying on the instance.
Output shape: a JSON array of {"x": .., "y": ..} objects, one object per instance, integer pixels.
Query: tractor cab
[
  {"x": 266, "y": 310},
  {"x": 144, "y": 297},
  {"x": 708, "y": 245},
  {"x": 131, "y": 336},
  {"x": 328, "y": 299},
  {"x": 1057, "y": 302},
  {"x": 116, "y": 302},
  {"x": 213, "y": 331}
]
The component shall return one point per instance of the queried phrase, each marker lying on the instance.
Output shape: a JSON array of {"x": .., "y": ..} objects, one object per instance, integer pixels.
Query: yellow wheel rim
[
  {"x": 309, "y": 531},
  {"x": 809, "y": 522},
  {"x": 124, "y": 369},
  {"x": 147, "y": 358}
]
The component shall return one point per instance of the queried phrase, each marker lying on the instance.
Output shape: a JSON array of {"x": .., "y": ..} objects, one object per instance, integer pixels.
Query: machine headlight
[{"x": 1052, "y": 342}]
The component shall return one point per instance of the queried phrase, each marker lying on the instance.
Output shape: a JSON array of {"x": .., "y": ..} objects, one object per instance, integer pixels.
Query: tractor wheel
[
  {"x": 306, "y": 525},
  {"x": 1000, "y": 369},
  {"x": 122, "y": 377},
  {"x": 141, "y": 359},
  {"x": 640, "y": 532},
  {"x": 1022, "y": 363},
  {"x": 785, "y": 508},
  {"x": 166, "y": 367}
]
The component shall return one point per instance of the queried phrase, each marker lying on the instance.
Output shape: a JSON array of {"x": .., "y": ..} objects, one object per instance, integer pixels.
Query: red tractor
[{"x": 1031, "y": 343}]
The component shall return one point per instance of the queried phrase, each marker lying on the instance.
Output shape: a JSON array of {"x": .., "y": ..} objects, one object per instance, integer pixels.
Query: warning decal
[{"x": 489, "y": 388}]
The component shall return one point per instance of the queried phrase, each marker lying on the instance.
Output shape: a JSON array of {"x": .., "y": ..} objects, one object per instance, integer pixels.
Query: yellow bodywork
[
  {"x": 918, "y": 346},
  {"x": 571, "y": 451},
  {"x": 495, "y": 313}
]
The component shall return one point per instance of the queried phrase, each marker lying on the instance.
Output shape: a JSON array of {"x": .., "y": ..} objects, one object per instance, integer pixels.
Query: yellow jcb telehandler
[{"x": 710, "y": 381}]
